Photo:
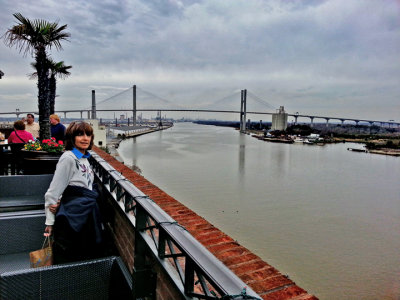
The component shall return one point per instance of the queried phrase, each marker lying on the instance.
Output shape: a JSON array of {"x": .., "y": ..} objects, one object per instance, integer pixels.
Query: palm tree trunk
[
  {"x": 43, "y": 93},
  {"x": 52, "y": 93}
]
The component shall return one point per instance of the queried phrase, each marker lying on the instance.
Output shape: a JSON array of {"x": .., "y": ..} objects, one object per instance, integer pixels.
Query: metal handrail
[{"x": 157, "y": 228}]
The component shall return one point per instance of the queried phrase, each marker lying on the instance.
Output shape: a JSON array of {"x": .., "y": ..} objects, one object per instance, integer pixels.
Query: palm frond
[
  {"x": 28, "y": 36},
  {"x": 33, "y": 75}
]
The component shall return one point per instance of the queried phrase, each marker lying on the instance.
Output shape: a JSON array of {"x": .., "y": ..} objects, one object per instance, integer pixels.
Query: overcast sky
[{"x": 333, "y": 58}]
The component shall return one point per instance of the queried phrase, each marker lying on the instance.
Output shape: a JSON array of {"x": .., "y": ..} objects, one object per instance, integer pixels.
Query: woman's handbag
[{"x": 44, "y": 256}]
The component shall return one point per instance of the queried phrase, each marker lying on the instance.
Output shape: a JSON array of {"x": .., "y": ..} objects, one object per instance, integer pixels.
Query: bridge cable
[
  {"x": 259, "y": 100},
  {"x": 159, "y": 98},
  {"x": 110, "y": 98},
  {"x": 221, "y": 100}
]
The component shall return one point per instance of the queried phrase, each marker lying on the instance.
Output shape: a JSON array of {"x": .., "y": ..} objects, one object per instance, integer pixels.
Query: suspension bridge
[{"x": 135, "y": 99}]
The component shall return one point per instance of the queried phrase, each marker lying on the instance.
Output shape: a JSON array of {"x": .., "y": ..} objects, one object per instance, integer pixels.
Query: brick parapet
[{"x": 264, "y": 279}]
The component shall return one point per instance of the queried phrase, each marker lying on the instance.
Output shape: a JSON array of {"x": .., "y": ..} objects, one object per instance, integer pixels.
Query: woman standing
[
  {"x": 57, "y": 129},
  {"x": 75, "y": 220}
]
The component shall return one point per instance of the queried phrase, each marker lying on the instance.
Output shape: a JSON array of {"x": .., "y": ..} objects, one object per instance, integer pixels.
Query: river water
[{"x": 327, "y": 217}]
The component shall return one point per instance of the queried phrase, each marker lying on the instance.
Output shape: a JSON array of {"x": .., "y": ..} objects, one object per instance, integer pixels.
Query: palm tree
[
  {"x": 57, "y": 69},
  {"x": 35, "y": 37},
  {"x": 60, "y": 70}
]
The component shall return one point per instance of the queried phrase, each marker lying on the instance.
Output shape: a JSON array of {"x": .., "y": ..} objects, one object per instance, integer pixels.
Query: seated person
[{"x": 20, "y": 135}]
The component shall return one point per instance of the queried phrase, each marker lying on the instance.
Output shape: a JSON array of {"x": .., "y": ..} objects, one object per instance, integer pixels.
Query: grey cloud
[
  {"x": 166, "y": 8},
  {"x": 347, "y": 51}
]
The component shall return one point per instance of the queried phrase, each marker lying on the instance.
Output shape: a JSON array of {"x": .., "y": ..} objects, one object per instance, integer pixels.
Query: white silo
[{"x": 279, "y": 119}]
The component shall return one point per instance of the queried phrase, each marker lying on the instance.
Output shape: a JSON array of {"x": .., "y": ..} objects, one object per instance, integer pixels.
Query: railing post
[
  {"x": 143, "y": 278},
  {"x": 189, "y": 276},
  {"x": 161, "y": 243}
]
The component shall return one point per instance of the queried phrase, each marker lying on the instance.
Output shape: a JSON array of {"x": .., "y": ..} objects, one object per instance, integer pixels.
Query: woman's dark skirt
[{"x": 71, "y": 246}]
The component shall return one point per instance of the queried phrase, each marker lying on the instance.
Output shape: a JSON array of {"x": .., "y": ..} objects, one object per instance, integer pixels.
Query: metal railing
[{"x": 191, "y": 267}]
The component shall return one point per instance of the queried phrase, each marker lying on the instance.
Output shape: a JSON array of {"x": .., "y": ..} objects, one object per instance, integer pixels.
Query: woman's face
[
  {"x": 53, "y": 121},
  {"x": 82, "y": 142}
]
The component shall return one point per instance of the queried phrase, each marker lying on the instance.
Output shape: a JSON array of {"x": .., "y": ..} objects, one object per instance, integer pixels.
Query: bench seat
[
  {"x": 21, "y": 233},
  {"x": 18, "y": 203},
  {"x": 14, "y": 262},
  {"x": 105, "y": 278},
  {"x": 22, "y": 192}
]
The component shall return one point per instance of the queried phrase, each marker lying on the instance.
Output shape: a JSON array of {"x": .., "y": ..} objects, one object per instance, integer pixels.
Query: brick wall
[{"x": 264, "y": 279}]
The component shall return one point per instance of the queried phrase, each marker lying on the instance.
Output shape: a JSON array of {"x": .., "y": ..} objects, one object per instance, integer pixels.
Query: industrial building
[{"x": 279, "y": 119}]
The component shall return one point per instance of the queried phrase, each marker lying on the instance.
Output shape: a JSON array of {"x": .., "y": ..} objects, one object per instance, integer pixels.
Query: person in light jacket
[{"x": 74, "y": 221}]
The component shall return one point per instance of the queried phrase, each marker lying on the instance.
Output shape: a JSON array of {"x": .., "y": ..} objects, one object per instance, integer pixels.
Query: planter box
[{"x": 39, "y": 162}]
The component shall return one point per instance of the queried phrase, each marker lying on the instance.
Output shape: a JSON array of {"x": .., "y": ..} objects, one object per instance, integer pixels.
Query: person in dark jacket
[
  {"x": 57, "y": 129},
  {"x": 74, "y": 221}
]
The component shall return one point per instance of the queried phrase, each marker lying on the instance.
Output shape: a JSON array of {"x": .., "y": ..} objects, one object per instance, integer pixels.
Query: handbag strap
[
  {"x": 19, "y": 136},
  {"x": 47, "y": 240}
]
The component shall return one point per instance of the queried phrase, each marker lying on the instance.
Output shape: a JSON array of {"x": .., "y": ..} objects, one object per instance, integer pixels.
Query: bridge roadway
[{"x": 296, "y": 115}]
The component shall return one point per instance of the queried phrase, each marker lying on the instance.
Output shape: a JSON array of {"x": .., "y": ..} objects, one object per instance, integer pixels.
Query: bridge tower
[{"x": 243, "y": 96}]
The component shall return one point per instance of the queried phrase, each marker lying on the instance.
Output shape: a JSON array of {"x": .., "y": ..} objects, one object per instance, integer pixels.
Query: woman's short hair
[
  {"x": 19, "y": 125},
  {"x": 55, "y": 117},
  {"x": 77, "y": 128}
]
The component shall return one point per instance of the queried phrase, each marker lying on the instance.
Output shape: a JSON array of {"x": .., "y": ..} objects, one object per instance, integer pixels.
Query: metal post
[
  {"x": 134, "y": 106},
  {"x": 244, "y": 109},
  {"x": 160, "y": 122},
  {"x": 93, "y": 104},
  {"x": 143, "y": 277},
  {"x": 189, "y": 276},
  {"x": 242, "y": 119}
]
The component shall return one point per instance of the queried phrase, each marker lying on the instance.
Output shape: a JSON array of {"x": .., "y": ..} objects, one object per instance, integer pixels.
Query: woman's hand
[
  {"x": 53, "y": 208},
  {"x": 48, "y": 231}
]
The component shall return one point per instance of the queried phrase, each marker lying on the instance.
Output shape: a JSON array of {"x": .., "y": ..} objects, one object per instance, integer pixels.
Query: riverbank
[{"x": 384, "y": 146}]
